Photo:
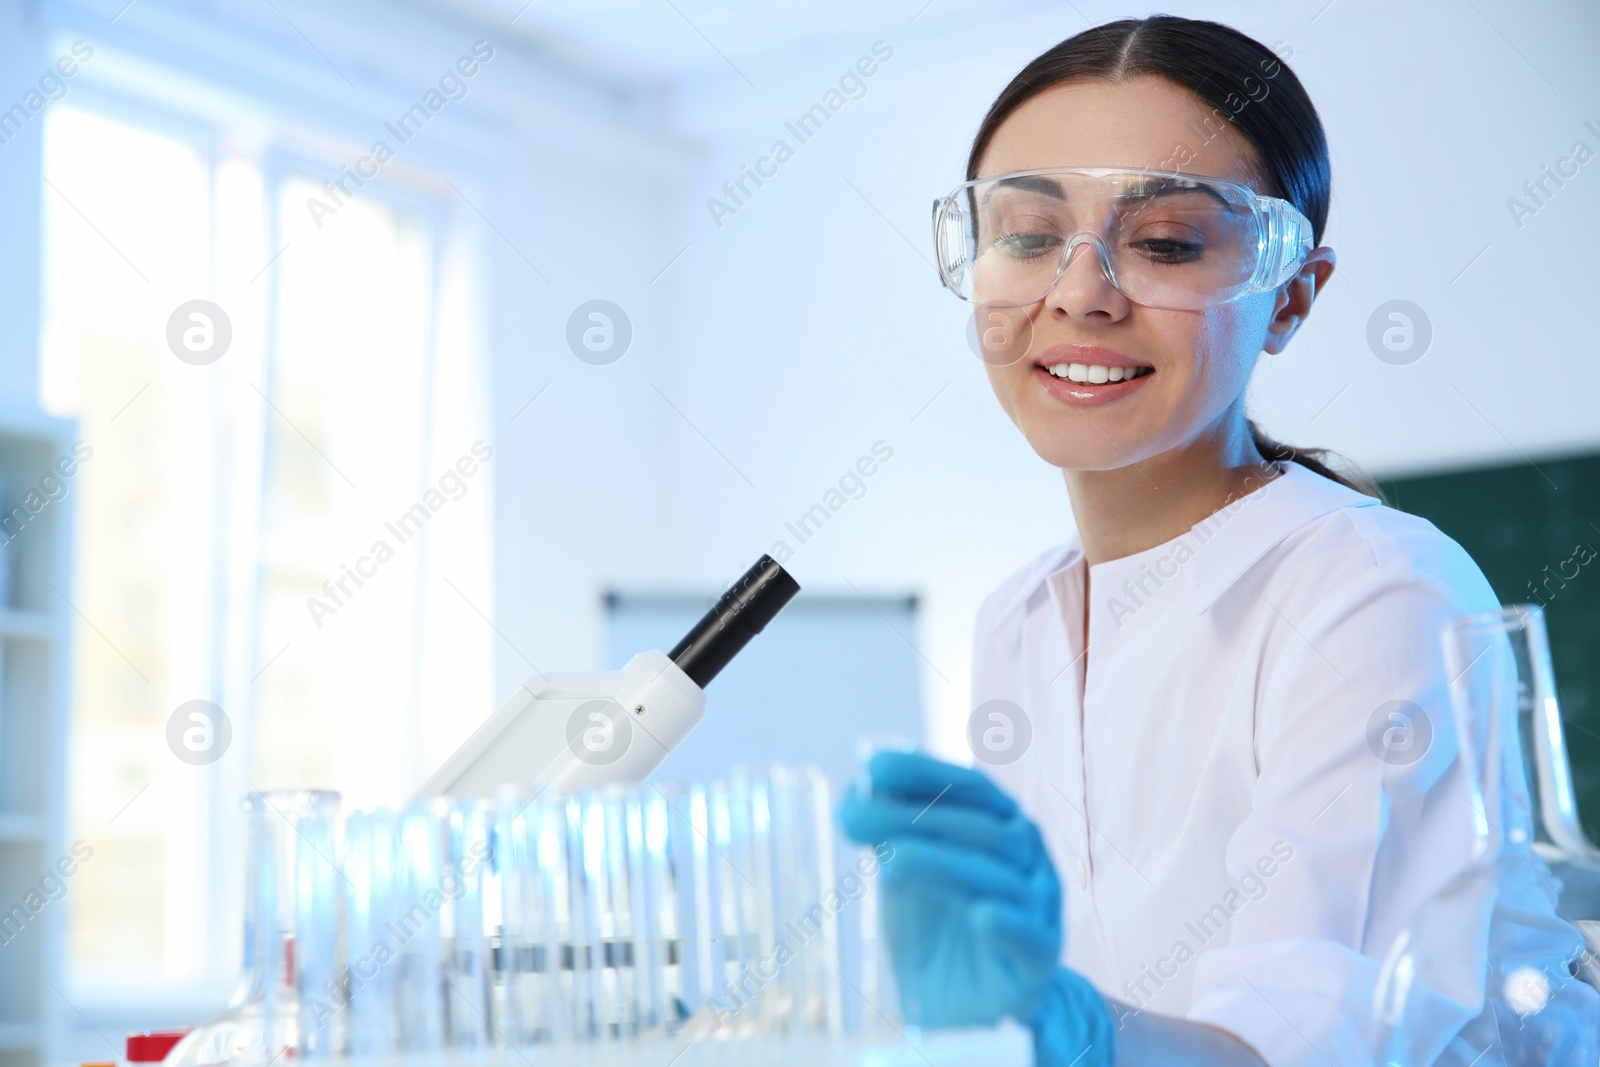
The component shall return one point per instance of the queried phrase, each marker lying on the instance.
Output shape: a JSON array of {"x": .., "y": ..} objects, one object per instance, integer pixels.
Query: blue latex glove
[{"x": 972, "y": 908}]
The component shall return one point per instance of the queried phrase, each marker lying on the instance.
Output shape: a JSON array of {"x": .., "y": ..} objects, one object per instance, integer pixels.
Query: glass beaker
[
  {"x": 1535, "y": 1011},
  {"x": 290, "y": 936}
]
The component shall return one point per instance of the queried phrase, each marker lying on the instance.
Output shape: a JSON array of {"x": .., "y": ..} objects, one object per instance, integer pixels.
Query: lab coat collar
[{"x": 1229, "y": 542}]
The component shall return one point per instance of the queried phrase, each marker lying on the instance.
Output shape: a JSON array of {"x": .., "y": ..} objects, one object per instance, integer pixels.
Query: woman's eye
[
  {"x": 1168, "y": 250},
  {"x": 1026, "y": 245}
]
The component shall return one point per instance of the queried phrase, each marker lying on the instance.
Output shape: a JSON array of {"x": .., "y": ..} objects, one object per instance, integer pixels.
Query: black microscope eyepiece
[{"x": 738, "y": 615}]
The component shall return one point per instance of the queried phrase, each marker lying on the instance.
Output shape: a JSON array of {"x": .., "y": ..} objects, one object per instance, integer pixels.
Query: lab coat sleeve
[{"x": 1356, "y": 839}]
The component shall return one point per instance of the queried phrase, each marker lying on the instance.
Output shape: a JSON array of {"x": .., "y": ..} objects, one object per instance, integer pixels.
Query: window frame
[{"x": 114, "y": 999}]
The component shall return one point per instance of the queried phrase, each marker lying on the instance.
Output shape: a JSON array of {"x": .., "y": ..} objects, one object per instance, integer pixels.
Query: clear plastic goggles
[{"x": 1164, "y": 239}]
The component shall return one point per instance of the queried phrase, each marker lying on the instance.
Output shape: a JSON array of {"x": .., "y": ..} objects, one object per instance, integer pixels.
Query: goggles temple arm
[{"x": 1285, "y": 240}]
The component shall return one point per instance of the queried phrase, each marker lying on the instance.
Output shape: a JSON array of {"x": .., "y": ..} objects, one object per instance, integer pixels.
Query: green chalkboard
[{"x": 1534, "y": 528}]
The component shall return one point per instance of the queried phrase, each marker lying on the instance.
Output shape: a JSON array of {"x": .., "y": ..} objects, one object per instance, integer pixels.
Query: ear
[{"x": 1294, "y": 298}]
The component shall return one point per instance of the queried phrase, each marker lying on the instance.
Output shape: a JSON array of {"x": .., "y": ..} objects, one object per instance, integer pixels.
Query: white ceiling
[{"x": 693, "y": 41}]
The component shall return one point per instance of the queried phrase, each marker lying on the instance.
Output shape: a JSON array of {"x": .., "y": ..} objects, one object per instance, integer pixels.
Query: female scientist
[{"x": 1232, "y": 743}]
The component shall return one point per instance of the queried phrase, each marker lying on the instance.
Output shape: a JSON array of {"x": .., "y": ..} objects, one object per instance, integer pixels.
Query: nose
[{"x": 1081, "y": 288}]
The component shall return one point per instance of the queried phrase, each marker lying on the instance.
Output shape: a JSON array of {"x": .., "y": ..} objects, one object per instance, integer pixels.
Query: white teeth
[{"x": 1094, "y": 373}]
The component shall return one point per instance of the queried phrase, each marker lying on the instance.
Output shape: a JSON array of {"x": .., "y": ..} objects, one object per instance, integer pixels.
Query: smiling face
[{"x": 1194, "y": 365}]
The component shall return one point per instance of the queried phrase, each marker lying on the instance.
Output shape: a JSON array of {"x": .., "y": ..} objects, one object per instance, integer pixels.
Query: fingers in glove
[
  {"x": 912, "y": 775},
  {"x": 941, "y": 868},
  {"x": 1021, "y": 931},
  {"x": 869, "y": 820}
]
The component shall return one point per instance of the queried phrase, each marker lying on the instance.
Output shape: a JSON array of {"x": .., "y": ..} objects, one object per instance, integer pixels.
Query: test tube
[
  {"x": 369, "y": 853},
  {"x": 735, "y": 986},
  {"x": 526, "y": 987},
  {"x": 677, "y": 982},
  {"x": 318, "y": 946},
  {"x": 467, "y": 979},
  {"x": 416, "y": 927},
  {"x": 703, "y": 956},
  {"x": 583, "y": 845},
  {"x": 810, "y": 848},
  {"x": 881, "y": 1011},
  {"x": 614, "y": 928},
  {"x": 603, "y": 918},
  {"x": 646, "y": 947}
]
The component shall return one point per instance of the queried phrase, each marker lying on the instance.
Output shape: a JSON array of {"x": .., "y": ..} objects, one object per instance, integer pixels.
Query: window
[{"x": 230, "y": 519}]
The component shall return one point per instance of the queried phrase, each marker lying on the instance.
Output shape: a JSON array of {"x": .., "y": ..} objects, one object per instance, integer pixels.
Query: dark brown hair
[{"x": 1230, "y": 72}]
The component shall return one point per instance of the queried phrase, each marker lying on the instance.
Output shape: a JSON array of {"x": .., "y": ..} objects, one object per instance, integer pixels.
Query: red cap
[{"x": 152, "y": 1046}]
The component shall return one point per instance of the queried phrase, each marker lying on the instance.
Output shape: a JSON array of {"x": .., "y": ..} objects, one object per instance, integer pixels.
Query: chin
[
  {"x": 1081, "y": 449},
  {"x": 1075, "y": 438}
]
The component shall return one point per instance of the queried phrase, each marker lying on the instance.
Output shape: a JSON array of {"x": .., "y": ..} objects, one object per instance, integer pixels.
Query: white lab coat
[{"x": 1231, "y": 848}]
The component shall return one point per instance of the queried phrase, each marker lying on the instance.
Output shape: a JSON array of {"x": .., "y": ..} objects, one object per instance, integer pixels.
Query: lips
[{"x": 1089, "y": 374}]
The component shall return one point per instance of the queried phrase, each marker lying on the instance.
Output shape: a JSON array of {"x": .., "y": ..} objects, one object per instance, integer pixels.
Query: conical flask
[
  {"x": 1558, "y": 836},
  {"x": 286, "y": 1004},
  {"x": 1493, "y": 914}
]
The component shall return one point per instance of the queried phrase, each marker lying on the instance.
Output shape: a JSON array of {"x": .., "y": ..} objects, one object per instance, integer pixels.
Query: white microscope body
[{"x": 566, "y": 732}]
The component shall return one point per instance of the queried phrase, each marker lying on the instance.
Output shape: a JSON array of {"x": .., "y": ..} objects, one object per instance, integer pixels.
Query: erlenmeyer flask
[
  {"x": 289, "y": 913},
  {"x": 1494, "y": 913},
  {"x": 1558, "y": 836}
]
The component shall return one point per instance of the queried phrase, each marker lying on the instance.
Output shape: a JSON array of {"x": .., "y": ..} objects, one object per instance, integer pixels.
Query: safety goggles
[{"x": 1164, "y": 239}]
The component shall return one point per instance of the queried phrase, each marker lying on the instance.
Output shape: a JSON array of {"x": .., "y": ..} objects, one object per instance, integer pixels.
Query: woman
[{"x": 1218, "y": 713}]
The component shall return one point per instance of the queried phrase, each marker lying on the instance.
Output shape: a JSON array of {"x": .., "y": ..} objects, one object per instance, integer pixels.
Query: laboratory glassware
[
  {"x": 1558, "y": 836},
  {"x": 1538, "y": 1012},
  {"x": 287, "y": 1001},
  {"x": 882, "y": 1012}
]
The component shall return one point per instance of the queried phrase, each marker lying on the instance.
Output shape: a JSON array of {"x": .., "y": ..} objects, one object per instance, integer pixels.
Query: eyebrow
[{"x": 1039, "y": 183}]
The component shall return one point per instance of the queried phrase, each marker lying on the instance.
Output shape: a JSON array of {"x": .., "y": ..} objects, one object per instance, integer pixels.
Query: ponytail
[{"x": 1316, "y": 459}]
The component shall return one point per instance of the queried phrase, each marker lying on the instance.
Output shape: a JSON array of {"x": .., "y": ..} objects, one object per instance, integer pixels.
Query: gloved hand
[{"x": 972, "y": 908}]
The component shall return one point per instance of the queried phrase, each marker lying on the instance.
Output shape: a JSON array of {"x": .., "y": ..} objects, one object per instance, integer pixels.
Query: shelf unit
[{"x": 35, "y": 705}]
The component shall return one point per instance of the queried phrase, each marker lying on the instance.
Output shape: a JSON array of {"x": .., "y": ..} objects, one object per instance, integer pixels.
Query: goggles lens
[{"x": 1164, "y": 240}]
